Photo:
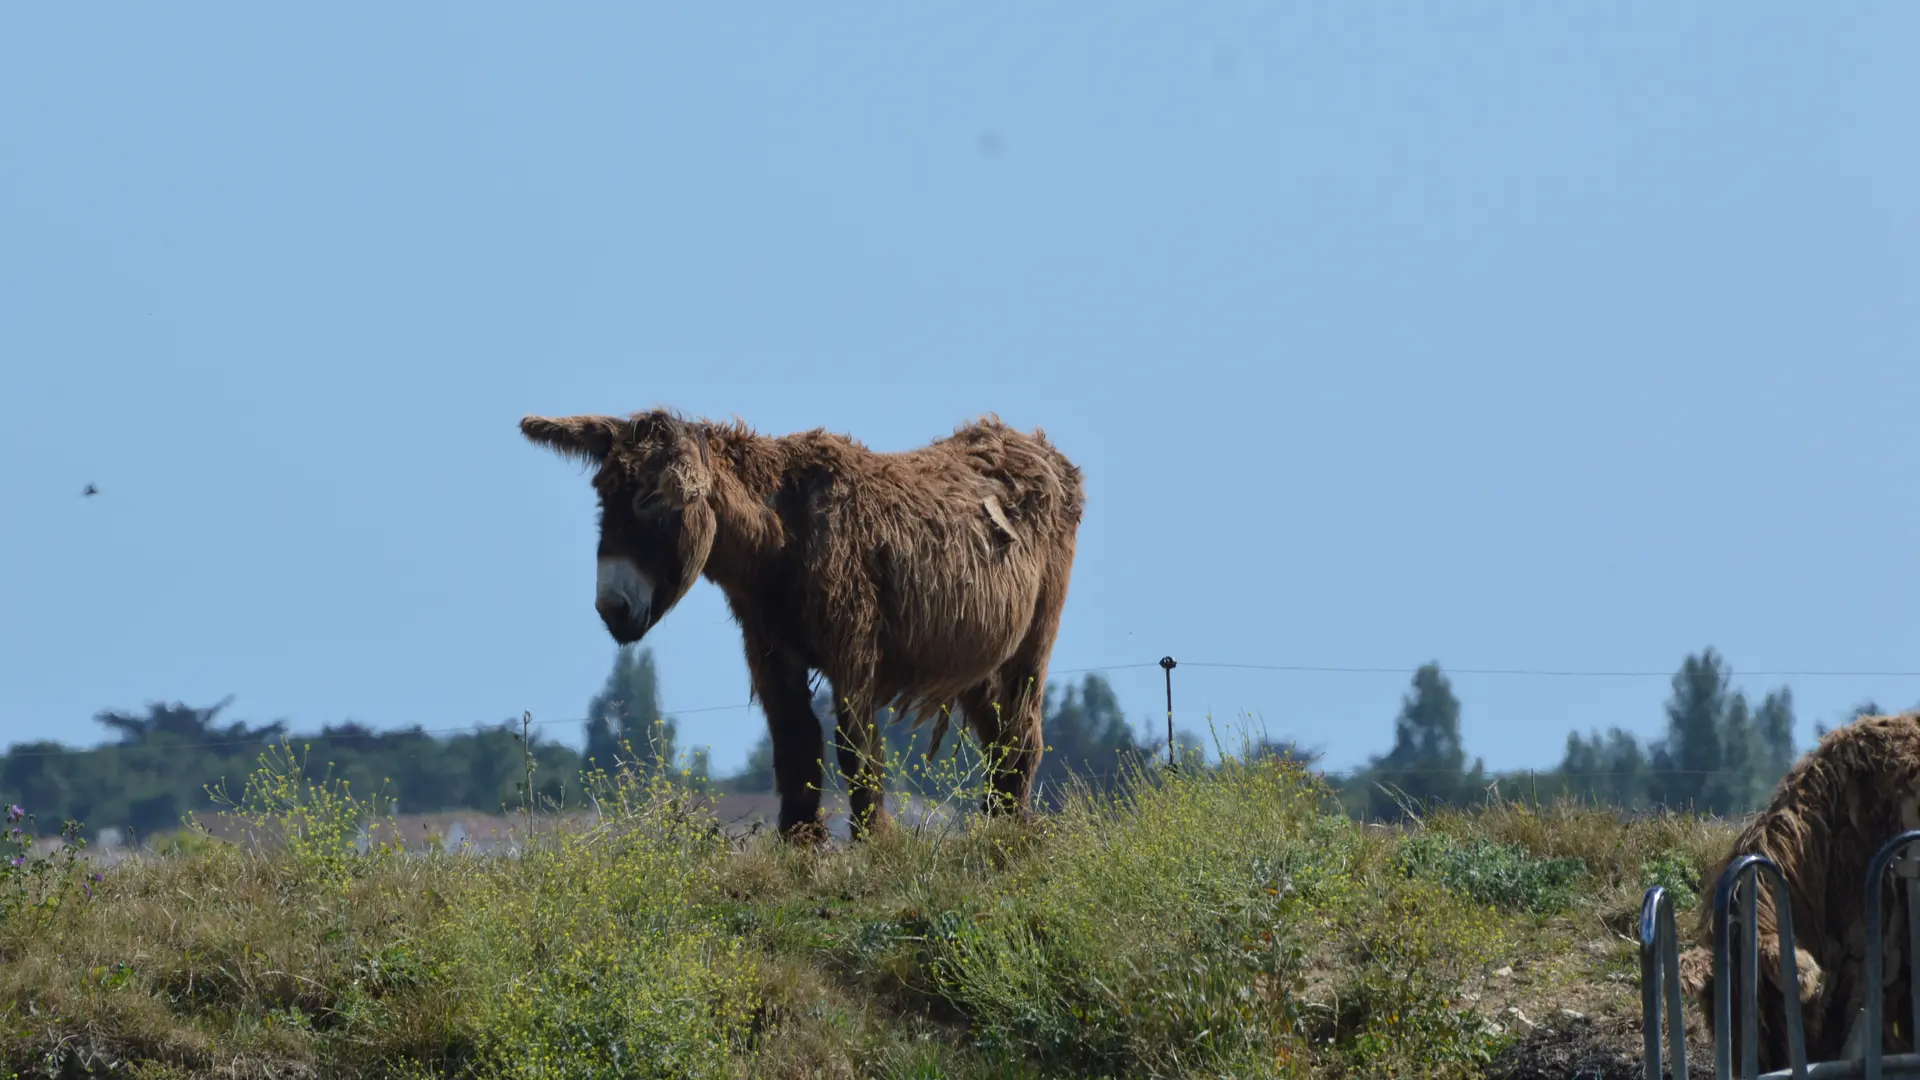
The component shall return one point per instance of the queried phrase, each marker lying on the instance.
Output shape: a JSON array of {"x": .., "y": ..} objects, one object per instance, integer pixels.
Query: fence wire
[{"x": 472, "y": 728}]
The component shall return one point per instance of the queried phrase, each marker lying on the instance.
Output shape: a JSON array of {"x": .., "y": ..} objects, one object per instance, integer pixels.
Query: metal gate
[{"x": 1660, "y": 976}]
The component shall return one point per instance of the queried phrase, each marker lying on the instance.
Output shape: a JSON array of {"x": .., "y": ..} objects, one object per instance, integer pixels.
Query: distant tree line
[
  {"x": 161, "y": 763},
  {"x": 1720, "y": 753}
]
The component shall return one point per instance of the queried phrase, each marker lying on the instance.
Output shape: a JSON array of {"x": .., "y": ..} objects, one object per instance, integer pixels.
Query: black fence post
[{"x": 1167, "y": 665}]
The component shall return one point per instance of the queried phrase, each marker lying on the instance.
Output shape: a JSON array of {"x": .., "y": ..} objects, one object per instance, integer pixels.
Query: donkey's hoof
[{"x": 807, "y": 832}]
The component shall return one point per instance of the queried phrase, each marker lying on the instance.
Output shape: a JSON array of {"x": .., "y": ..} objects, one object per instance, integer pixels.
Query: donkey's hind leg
[
  {"x": 862, "y": 751},
  {"x": 1010, "y": 724},
  {"x": 1008, "y": 728}
]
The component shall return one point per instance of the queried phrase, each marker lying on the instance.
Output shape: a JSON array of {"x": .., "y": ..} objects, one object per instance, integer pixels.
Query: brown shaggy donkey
[
  {"x": 1854, "y": 791},
  {"x": 913, "y": 580}
]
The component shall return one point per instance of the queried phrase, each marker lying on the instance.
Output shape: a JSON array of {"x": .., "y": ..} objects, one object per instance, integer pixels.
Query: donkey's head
[{"x": 656, "y": 526}]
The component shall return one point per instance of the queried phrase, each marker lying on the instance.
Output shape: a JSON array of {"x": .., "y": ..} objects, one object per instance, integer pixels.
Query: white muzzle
[{"x": 620, "y": 584}]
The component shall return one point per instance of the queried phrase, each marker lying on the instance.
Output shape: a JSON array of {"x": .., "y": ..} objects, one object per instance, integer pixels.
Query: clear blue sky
[{"x": 1570, "y": 337}]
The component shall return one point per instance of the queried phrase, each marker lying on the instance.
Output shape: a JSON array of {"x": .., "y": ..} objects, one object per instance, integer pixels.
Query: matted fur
[
  {"x": 916, "y": 580},
  {"x": 1854, "y": 791}
]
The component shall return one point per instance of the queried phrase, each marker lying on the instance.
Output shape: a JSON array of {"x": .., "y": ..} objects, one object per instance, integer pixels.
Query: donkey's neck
[{"x": 747, "y": 532}]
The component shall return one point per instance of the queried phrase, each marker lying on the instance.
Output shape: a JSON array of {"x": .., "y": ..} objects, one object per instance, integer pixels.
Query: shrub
[
  {"x": 592, "y": 954},
  {"x": 1674, "y": 871},
  {"x": 1179, "y": 926},
  {"x": 31, "y": 886},
  {"x": 1503, "y": 875}
]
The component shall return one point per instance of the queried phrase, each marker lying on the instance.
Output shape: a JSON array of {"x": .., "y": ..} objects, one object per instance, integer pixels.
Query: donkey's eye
[{"x": 646, "y": 502}]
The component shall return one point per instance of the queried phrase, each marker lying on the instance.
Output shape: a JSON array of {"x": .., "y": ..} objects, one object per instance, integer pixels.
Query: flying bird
[{"x": 90, "y": 491}]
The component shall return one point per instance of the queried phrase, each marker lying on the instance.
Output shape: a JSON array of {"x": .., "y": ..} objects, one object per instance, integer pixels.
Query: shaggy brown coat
[
  {"x": 1854, "y": 791},
  {"x": 916, "y": 580}
]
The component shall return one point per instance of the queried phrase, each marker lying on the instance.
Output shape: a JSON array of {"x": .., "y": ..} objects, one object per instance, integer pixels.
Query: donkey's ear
[{"x": 589, "y": 438}]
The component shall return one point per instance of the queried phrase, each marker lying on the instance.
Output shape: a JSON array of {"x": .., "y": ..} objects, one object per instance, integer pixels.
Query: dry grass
[{"x": 1224, "y": 922}]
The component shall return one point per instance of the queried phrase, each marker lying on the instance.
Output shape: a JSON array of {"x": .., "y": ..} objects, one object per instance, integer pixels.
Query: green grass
[{"x": 1225, "y": 922}]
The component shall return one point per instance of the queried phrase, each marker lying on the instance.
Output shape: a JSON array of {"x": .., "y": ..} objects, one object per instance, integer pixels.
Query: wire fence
[{"x": 339, "y": 735}]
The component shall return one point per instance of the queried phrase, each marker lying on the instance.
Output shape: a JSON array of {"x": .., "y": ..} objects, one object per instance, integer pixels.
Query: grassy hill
[{"x": 1211, "y": 922}]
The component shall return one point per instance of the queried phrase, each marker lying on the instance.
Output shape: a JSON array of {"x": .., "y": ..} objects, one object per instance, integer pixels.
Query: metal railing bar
[
  {"x": 1876, "y": 944},
  {"x": 1913, "y": 961},
  {"x": 1896, "y": 1065},
  {"x": 1749, "y": 867},
  {"x": 1660, "y": 977}
]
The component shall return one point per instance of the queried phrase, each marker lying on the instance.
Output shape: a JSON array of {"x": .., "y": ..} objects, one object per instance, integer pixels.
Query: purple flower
[
  {"x": 19, "y": 860},
  {"x": 14, "y": 813}
]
